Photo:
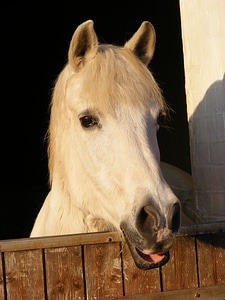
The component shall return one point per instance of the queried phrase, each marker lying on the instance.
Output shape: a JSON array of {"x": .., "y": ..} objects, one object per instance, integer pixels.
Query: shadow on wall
[
  {"x": 202, "y": 195},
  {"x": 207, "y": 138}
]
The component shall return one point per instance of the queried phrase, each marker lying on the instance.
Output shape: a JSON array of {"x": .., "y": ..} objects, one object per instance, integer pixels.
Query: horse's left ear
[
  {"x": 83, "y": 45},
  {"x": 142, "y": 43}
]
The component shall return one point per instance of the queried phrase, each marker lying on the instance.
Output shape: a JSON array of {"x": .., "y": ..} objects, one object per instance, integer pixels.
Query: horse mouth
[
  {"x": 146, "y": 261},
  {"x": 149, "y": 261}
]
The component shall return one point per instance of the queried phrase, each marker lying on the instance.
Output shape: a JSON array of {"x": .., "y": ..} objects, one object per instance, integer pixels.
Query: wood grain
[
  {"x": 100, "y": 270},
  {"x": 181, "y": 272},
  {"x": 1, "y": 278},
  {"x": 211, "y": 259},
  {"x": 138, "y": 281},
  {"x": 103, "y": 271},
  {"x": 64, "y": 273},
  {"x": 24, "y": 275}
]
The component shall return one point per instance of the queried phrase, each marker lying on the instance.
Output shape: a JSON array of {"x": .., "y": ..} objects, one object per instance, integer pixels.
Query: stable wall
[{"x": 203, "y": 35}]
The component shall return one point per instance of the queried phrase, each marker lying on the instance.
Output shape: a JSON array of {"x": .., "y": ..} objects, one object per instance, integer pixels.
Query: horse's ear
[
  {"x": 142, "y": 43},
  {"x": 83, "y": 45}
]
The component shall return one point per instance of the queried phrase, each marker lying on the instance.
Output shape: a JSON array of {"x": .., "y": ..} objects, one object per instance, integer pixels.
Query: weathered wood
[
  {"x": 211, "y": 259},
  {"x": 24, "y": 275},
  {"x": 219, "y": 242},
  {"x": 64, "y": 273},
  {"x": 79, "y": 267},
  {"x": 95, "y": 237},
  {"x": 59, "y": 241},
  {"x": 103, "y": 273},
  {"x": 180, "y": 272},
  {"x": 1, "y": 278},
  {"x": 138, "y": 281},
  {"x": 209, "y": 293},
  {"x": 196, "y": 229}
]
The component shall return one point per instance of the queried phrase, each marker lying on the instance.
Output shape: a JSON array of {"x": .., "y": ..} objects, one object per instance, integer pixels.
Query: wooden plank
[
  {"x": 94, "y": 238},
  {"x": 105, "y": 274},
  {"x": 209, "y": 293},
  {"x": 219, "y": 242},
  {"x": 103, "y": 271},
  {"x": 2, "y": 278},
  {"x": 24, "y": 275},
  {"x": 138, "y": 281},
  {"x": 64, "y": 273},
  {"x": 211, "y": 259},
  {"x": 180, "y": 272},
  {"x": 206, "y": 228},
  {"x": 59, "y": 241}
]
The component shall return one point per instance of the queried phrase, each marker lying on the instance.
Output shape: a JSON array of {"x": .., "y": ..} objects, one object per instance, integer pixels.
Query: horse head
[{"x": 104, "y": 158}]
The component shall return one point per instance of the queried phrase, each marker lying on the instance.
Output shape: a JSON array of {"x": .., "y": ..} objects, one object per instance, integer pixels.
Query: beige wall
[{"x": 203, "y": 35}]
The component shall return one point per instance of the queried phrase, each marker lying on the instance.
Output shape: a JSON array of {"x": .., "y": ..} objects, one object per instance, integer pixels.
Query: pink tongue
[{"x": 156, "y": 257}]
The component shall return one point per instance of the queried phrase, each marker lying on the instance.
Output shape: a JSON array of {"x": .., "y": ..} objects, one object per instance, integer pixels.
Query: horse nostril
[
  {"x": 153, "y": 216},
  {"x": 174, "y": 217},
  {"x": 148, "y": 221}
]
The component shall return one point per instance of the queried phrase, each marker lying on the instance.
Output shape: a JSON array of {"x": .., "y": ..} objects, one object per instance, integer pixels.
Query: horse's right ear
[
  {"x": 83, "y": 45},
  {"x": 142, "y": 43}
]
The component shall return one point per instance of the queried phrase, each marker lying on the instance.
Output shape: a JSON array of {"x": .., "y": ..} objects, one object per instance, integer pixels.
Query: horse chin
[{"x": 147, "y": 261}]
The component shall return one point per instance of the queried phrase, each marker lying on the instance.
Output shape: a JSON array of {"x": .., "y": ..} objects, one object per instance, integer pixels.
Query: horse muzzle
[{"x": 153, "y": 235}]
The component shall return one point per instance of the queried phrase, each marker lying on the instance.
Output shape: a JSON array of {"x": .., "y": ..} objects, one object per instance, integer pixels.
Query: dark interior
[{"x": 35, "y": 40}]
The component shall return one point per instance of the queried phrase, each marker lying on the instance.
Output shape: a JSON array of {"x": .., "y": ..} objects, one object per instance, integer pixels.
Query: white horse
[{"x": 104, "y": 160}]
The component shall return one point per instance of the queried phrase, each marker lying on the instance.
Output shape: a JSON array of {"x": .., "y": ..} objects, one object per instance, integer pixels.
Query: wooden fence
[{"x": 99, "y": 266}]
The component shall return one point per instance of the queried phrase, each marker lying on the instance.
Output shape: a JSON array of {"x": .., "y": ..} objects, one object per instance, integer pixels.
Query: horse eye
[
  {"x": 89, "y": 121},
  {"x": 161, "y": 121}
]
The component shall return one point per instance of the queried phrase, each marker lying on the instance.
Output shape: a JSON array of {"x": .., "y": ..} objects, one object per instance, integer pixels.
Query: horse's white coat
[{"x": 103, "y": 175}]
